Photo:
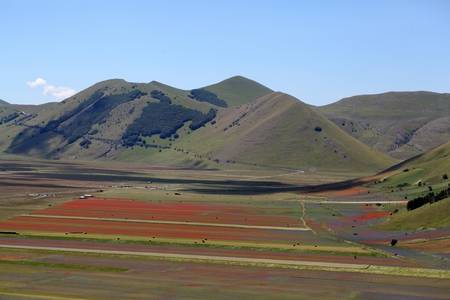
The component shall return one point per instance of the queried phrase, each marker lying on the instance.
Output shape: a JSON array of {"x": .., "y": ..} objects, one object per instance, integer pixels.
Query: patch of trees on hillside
[
  {"x": 75, "y": 123},
  {"x": 163, "y": 98},
  {"x": 97, "y": 113},
  {"x": 203, "y": 95},
  {"x": 164, "y": 119},
  {"x": 429, "y": 198},
  {"x": 9, "y": 118}
]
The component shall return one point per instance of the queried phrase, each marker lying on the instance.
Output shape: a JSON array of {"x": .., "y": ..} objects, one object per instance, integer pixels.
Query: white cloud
[
  {"x": 59, "y": 92},
  {"x": 37, "y": 82}
]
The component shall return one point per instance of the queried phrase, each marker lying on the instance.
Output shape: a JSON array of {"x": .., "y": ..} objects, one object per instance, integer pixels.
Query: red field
[
  {"x": 184, "y": 212},
  {"x": 133, "y": 214},
  {"x": 149, "y": 230}
]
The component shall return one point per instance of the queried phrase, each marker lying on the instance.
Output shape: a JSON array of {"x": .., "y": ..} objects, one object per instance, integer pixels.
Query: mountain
[
  {"x": 238, "y": 90},
  {"x": 402, "y": 124},
  {"x": 280, "y": 130},
  {"x": 224, "y": 124},
  {"x": 2, "y": 102}
]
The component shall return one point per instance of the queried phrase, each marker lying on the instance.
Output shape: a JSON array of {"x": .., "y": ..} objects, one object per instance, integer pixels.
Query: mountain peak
[{"x": 238, "y": 90}]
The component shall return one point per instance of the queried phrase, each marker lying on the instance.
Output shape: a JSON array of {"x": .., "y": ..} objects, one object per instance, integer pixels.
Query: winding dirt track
[{"x": 170, "y": 222}]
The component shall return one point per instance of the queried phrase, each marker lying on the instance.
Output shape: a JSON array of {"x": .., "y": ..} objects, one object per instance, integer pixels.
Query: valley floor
[{"x": 151, "y": 232}]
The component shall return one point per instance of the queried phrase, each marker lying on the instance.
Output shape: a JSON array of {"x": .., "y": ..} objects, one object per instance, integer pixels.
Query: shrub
[{"x": 85, "y": 144}]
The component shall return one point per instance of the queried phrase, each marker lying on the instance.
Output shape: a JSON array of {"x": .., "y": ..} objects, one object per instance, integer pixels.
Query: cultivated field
[{"x": 151, "y": 232}]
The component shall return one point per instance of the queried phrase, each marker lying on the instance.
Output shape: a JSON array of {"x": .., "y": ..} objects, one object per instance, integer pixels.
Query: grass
[
  {"x": 75, "y": 267},
  {"x": 377, "y": 119},
  {"x": 231, "y": 245},
  {"x": 435, "y": 215},
  {"x": 369, "y": 269},
  {"x": 264, "y": 135},
  {"x": 238, "y": 90}
]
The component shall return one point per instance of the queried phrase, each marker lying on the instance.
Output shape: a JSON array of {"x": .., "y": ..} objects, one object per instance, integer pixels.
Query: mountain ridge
[
  {"x": 402, "y": 124},
  {"x": 234, "y": 121}
]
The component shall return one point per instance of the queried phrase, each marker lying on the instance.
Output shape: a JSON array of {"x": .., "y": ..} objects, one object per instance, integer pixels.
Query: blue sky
[{"x": 318, "y": 51}]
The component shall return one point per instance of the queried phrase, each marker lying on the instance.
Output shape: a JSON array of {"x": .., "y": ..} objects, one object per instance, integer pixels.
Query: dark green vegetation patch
[
  {"x": 203, "y": 95},
  {"x": 429, "y": 198},
  {"x": 9, "y": 118},
  {"x": 164, "y": 119},
  {"x": 160, "y": 96}
]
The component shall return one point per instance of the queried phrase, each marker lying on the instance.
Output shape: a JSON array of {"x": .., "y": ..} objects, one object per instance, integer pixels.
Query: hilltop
[{"x": 238, "y": 90}]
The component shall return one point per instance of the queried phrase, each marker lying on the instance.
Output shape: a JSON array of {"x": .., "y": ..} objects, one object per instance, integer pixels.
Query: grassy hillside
[
  {"x": 95, "y": 122},
  {"x": 238, "y": 90},
  {"x": 226, "y": 124},
  {"x": 432, "y": 215},
  {"x": 279, "y": 130},
  {"x": 402, "y": 124},
  {"x": 419, "y": 176},
  {"x": 429, "y": 167}
]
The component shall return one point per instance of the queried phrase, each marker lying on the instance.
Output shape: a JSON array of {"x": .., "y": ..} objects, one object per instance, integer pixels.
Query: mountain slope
[
  {"x": 96, "y": 121},
  {"x": 238, "y": 90},
  {"x": 417, "y": 177},
  {"x": 433, "y": 215},
  {"x": 154, "y": 122},
  {"x": 402, "y": 124},
  {"x": 429, "y": 167},
  {"x": 279, "y": 130}
]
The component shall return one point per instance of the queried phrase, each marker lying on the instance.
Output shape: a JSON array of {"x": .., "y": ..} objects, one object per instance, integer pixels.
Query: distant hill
[
  {"x": 221, "y": 125},
  {"x": 2, "y": 102},
  {"x": 402, "y": 124}
]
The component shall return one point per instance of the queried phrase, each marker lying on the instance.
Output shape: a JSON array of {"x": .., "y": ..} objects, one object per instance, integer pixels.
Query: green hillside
[
  {"x": 232, "y": 123},
  {"x": 96, "y": 122},
  {"x": 402, "y": 124},
  {"x": 279, "y": 130},
  {"x": 429, "y": 167},
  {"x": 238, "y": 90},
  {"x": 432, "y": 215}
]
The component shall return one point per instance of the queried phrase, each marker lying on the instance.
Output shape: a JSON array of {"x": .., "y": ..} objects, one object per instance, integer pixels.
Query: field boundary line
[
  {"x": 358, "y": 202},
  {"x": 170, "y": 222}
]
